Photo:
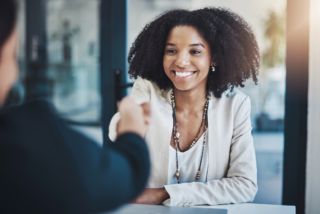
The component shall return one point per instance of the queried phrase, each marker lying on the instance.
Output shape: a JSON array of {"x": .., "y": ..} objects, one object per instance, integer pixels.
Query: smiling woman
[
  {"x": 187, "y": 58},
  {"x": 188, "y": 64}
]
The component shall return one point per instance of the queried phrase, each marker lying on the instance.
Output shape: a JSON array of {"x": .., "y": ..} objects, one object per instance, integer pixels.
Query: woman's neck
[{"x": 191, "y": 100}]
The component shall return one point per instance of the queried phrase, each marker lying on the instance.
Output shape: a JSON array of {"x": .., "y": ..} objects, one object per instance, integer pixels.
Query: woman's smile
[{"x": 182, "y": 75}]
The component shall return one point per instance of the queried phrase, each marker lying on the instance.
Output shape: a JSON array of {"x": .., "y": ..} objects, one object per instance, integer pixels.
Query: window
[
  {"x": 73, "y": 58},
  {"x": 59, "y": 58}
]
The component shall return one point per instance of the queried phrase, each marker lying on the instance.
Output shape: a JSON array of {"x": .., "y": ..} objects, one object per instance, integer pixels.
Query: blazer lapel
[
  {"x": 211, "y": 128},
  {"x": 160, "y": 131},
  {"x": 167, "y": 133}
]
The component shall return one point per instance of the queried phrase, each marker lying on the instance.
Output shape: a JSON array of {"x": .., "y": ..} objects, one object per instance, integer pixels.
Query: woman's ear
[{"x": 213, "y": 63}]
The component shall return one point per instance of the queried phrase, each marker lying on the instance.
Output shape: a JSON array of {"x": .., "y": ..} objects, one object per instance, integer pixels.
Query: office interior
[{"x": 74, "y": 53}]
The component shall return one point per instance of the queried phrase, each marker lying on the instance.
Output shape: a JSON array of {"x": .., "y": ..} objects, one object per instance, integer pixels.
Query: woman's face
[
  {"x": 8, "y": 66},
  {"x": 187, "y": 58}
]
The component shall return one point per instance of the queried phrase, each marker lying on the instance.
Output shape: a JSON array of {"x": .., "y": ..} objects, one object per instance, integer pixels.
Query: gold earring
[{"x": 213, "y": 69}]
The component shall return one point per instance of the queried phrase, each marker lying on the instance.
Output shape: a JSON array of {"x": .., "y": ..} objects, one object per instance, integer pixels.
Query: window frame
[{"x": 296, "y": 104}]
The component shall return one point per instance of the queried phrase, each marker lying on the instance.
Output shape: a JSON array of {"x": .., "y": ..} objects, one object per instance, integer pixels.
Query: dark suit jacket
[{"x": 46, "y": 167}]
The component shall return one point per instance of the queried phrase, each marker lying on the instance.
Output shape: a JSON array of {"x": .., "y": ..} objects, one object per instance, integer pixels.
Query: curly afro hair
[{"x": 231, "y": 41}]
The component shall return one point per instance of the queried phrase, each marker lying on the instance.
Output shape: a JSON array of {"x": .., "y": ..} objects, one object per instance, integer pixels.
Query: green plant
[{"x": 274, "y": 33}]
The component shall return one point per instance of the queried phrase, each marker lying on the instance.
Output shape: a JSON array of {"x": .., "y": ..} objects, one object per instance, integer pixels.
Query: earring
[{"x": 213, "y": 69}]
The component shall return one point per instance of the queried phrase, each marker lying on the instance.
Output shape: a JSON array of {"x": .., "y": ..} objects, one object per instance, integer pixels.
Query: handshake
[{"x": 134, "y": 118}]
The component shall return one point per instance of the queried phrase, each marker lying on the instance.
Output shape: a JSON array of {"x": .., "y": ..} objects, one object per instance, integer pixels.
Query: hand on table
[
  {"x": 152, "y": 196},
  {"x": 134, "y": 118}
]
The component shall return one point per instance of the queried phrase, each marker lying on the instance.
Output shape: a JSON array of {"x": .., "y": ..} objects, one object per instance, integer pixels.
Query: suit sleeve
[
  {"x": 59, "y": 170},
  {"x": 240, "y": 184}
]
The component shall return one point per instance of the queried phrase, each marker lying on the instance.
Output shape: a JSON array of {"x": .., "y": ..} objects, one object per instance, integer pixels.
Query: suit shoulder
[{"x": 37, "y": 113}]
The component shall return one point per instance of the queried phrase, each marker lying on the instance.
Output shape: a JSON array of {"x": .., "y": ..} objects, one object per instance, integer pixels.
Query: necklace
[{"x": 176, "y": 135}]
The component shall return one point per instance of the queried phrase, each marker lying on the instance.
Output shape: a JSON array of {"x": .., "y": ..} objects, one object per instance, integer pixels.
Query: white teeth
[{"x": 183, "y": 74}]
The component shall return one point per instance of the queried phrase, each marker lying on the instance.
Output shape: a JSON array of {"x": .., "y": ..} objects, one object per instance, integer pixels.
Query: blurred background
[{"x": 73, "y": 52}]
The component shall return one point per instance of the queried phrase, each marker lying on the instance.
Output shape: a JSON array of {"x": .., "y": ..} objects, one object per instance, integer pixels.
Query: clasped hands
[{"x": 134, "y": 118}]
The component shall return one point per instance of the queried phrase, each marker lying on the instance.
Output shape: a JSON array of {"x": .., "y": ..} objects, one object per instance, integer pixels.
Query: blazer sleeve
[
  {"x": 240, "y": 184},
  {"x": 141, "y": 91},
  {"x": 59, "y": 170},
  {"x": 113, "y": 127}
]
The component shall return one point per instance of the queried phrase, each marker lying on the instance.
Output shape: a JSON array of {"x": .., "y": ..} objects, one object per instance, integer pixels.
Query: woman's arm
[
  {"x": 240, "y": 185},
  {"x": 153, "y": 196}
]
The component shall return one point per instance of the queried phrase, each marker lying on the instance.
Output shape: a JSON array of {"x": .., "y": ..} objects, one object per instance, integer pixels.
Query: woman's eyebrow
[
  {"x": 197, "y": 44},
  {"x": 170, "y": 44}
]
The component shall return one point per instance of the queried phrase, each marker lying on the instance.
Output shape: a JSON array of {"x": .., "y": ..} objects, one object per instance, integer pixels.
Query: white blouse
[
  {"x": 188, "y": 167},
  {"x": 188, "y": 164}
]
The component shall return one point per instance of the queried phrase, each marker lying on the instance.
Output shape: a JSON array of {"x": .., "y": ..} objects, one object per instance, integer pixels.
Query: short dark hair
[
  {"x": 231, "y": 41},
  {"x": 8, "y": 13}
]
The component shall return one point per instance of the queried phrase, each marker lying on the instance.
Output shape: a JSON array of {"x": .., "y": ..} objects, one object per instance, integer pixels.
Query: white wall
[{"x": 313, "y": 146}]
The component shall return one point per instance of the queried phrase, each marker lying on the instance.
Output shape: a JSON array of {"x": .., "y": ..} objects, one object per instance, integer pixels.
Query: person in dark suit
[{"x": 46, "y": 167}]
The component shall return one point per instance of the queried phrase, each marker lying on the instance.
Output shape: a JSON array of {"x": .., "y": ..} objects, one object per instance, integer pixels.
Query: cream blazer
[{"x": 232, "y": 171}]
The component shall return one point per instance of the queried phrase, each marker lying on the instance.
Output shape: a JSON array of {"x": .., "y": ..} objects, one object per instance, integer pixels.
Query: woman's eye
[
  {"x": 195, "y": 52},
  {"x": 171, "y": 51}
]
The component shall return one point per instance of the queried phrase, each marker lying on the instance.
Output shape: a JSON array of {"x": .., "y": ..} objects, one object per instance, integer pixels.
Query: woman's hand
[{"x": 152, "y": 196}]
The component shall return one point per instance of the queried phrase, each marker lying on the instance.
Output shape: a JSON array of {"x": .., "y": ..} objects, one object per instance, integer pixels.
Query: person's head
[
  {"x": 181, "y": 42},
  {"x": 8, "y": 45}
]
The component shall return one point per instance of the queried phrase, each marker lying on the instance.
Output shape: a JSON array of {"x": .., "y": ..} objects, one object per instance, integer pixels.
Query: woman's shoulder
[
  {"x": 234, "y": 98},
  {"x": 145, "y": 85},
  {"x": 144, "y": 89}
]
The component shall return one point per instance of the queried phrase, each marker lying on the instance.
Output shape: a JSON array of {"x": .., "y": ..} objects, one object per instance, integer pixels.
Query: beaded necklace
[{"x": 176, "y": 135}]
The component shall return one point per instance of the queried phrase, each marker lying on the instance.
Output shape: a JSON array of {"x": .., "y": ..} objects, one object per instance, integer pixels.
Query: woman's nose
[{"x": 183, "y": 60}]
